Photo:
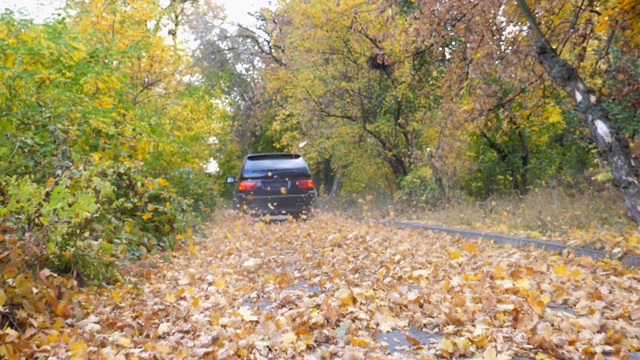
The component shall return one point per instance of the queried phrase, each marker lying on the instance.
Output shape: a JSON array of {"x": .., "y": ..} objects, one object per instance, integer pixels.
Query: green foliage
[
  {"x": 419, "y": 188},
  {"x": 104, "y": 142},
  {"x": 94, "y": 214}
]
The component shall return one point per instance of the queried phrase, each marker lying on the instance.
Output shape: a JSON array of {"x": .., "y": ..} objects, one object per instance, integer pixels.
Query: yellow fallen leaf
[
  {"x": 78, "y": 350},
  {"x": 170, "y": 297},
  {"x": 163, "y": 349},
  {"x": 147, "y": 216},
  {"x": 58, "y": 324},
  {"x": 447, "y": 346},
  {"x": 541, "y": 356},
  {"x": 345, "y": 297},
  {"x": 191, "y": 247},
  {"x": 52, "y": 338},
  {"x": 362, "y": 342},
  {"x": 462, "y": 343},
  {"x": 66, "y": 336},
  {"x": 116, "y": 295},
  {"x": 471, "y": 248},
  {"x": 3, "y": 298},
  {"x": 455, "y": 255},
  {"x": 242, "y": 353},
  {"x": 289, "y": 339},
  {"x": 560, "y": 270},
  {"x": 491, "y": 354},
  {"x": 538, "y": 306},
  {"x": 283, "y": 191},
  {"x": 523, "y": 284},
  {"x": 125, "y": 341},
  {"x": 182, "y": 353},
  {"x": 575, "y": 272}
]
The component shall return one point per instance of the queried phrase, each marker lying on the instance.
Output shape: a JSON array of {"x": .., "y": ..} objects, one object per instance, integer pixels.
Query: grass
[{"x": 592, "y": 219}]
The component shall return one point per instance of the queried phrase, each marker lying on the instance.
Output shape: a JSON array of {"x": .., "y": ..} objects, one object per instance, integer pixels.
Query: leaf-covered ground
[{"x": 334, "y": 287}]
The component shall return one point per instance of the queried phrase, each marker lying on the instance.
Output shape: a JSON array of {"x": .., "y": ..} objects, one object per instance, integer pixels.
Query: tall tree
[
  {"x": 490, "y": 72},
  {"x": 231, "y": 58},
  {"x": 612, "y": 143},
  {"x": 350, "y": 89}
]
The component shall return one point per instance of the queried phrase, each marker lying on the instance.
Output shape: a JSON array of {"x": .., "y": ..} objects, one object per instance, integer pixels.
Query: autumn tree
[
  {"x": 611, "y": 141},
  {"x": 349, "y": 86},
  {"x": 230, "y": 58},
  {"x": 105, "y": 134},
  {"x": 494, "y": 90}
]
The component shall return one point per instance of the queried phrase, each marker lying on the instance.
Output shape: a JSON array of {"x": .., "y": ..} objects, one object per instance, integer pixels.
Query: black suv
[{"x": 274, "y": 184}]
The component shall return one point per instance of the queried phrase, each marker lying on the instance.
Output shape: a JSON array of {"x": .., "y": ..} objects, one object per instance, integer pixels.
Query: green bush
[{"x": 93, "y": 214}]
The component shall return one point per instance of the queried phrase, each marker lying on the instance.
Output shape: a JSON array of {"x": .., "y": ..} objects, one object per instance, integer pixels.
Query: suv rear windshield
[{"x": 263, "y": 164}]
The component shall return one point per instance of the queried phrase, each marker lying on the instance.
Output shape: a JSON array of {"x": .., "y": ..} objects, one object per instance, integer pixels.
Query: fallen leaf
[
  {"x": 165, "y": 328},
  {"x": 125, "y": 341},
  {"x": 246, "y": 314},
  {"x": 78, "y": 350}
]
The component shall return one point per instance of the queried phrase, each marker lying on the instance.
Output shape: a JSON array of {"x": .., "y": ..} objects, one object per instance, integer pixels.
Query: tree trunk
[
  {"x": 337, "y": 183},
  {"x": 611, "y": 142},
  {"x": 328, "y": 176},
  {"x": 437, "y": 175},
  {"x": 524, "y": 158}
]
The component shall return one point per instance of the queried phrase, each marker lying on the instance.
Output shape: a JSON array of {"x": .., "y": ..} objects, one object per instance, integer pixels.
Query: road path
[{"x": 334, "y": 287}]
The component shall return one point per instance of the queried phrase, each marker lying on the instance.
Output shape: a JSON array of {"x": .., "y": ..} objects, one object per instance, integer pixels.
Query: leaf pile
[{"x": 333, "y": 287}]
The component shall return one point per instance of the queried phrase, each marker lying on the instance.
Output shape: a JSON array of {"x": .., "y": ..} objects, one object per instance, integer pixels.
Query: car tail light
[
  {"x": 305, "y": 184},
  {"x": 247, "y": 185}
]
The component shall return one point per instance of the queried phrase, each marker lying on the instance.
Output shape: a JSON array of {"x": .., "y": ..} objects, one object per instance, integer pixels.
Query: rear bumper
[{"x": 276, "y": 204}]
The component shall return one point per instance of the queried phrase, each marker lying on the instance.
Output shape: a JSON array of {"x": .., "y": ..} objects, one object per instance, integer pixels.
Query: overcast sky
[{"x": 40, "y": 10}]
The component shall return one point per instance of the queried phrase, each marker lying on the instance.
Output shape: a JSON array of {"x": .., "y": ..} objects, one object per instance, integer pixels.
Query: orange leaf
[{"x": 471, "y": 248}]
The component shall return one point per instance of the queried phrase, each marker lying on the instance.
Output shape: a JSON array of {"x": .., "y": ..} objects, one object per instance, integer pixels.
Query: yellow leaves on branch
[{"x": 162, "y": 182}]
